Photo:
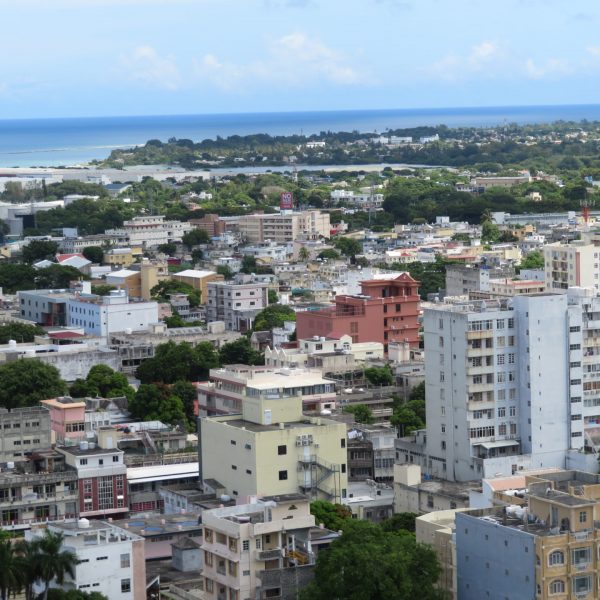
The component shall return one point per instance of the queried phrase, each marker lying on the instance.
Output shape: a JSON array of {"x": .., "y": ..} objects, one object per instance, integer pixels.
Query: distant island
[{"x": 562, "y": 144}]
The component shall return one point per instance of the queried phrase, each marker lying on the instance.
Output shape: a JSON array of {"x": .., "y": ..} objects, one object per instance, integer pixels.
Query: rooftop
[
  {"x": 156, "y": 524},
  {"x": 258, "y": 428},
  {"x": 194, "y": 273}
]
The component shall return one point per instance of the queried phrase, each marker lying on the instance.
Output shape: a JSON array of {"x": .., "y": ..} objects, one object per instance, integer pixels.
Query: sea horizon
[{"x": 68, "y": 141}]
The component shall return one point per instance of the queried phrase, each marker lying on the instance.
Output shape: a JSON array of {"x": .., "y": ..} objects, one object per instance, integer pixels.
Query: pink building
[
  {"x": 386, "y": 311},
  {"x": 67, "y": 419}
]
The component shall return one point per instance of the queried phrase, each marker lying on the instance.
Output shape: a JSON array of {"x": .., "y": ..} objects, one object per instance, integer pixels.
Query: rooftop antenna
[{"x": 586, "y": 204}]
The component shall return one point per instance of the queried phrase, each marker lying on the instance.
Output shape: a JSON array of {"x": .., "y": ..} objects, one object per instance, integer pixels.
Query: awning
[{"x": 489, "y": 445}]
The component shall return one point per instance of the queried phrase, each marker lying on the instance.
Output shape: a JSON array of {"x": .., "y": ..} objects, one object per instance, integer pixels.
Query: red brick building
[
  {"x": 386, "y": 311},
  {"x": 102, "y": 477}
]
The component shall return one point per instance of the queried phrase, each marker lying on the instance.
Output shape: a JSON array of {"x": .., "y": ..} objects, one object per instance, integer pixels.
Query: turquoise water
[{"x": 55, "y": 142}]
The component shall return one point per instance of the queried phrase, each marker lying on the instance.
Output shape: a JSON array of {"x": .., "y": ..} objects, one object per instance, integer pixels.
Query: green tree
[
  {"x": 361, "y": 412},
  {"x": 367, "y": 562},
  {"x": 195, "y": 237},
  {"x": 178, "y": 362},
  {"x": 274, "y": 315},
  {"x": 169, "y": 248},
  {"x": 348, "y": 246},
  {"x": 240, "y": 352},
  {"x": 404, "y": 521},
  {"x": 55, "y": 562},
  {"x": 409, "y": 417},
  {"x": 162, "y": 290},
  {"x": 333, "y": 516},
  {"x": 186, "y": 392},
  {"x": 17, "y": 276},
  {"x": 380, "y": 375},
  {"x": 418, "y": 392},
  {"x": 11, "y": 575},
  {"x": 303, "y": 254},
  {"x": 37, "y": 250},
  {"x": 249, "y": 265},
  {"x": 273, "y": 297},
  {"x": 27, "y": 381},
  {"x": 102, "y": 381},
  {"x": 20, "y": 332},
  {"x": 103, "y": 289},
  {"x": 329, "y": 254},
  {"x": 490, "y": 232},
  {"x": 225, "y": 271},
  {"x": 94, "y": 253},
  {"x": 532, "y": 260},
  {"x": 156, "y": 403},
  {"x": 29, "y": 564},
  {"x": 57, "y": 276}
]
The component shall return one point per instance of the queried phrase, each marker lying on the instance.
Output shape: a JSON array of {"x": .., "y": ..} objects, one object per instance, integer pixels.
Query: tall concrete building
[{"x": 503, "y": 386}]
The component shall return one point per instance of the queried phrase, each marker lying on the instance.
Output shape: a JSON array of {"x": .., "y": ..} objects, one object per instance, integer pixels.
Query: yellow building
[
  {"x": 121, "y": 257},
  {"x": 199, "y": 280},
  {"x": 272, "y": 448},
  {"x": 139, "y": 283}
]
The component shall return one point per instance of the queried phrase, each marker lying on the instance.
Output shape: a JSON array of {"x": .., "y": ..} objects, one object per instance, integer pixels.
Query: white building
[
  {"x": 284, "y": 227},
  {"x": 111, "y": 559},
  {"x": 236, "y": 304},
  {"x": 503, "y": 385},
  {"x": 102, "y": 315},
  {"x": 151, "y": 231},
  {"x": 572, "y": 265}
]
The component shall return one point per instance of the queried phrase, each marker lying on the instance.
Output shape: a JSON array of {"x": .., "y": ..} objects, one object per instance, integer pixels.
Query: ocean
[{"x": 62, "y": 142}]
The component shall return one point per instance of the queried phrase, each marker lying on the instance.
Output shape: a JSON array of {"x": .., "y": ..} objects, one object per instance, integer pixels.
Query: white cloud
[
  {"x": 454, "y": 67},
  {"x": 146, "y": 65},
  {"x": 594, "y": 51},
  {"x": 550, "y": 68},
  {"x": 292, "y": 60}
]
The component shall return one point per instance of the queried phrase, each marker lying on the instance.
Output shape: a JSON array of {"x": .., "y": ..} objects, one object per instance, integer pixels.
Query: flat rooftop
[
  {"x": 156, "y": 524},
  {"x": 259, "y": 428}
]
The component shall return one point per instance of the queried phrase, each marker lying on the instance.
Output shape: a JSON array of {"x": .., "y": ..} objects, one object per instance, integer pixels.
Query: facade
[
  {"x": 514, "y": 287},
  {"x": 199, "y": 280},
  {"x": 46, "y": 492},
  {"x": 284, "y": 227},
  {"x": 330, "y": 354},
  {"x": 236, "y": 304},
  {"x": 103, "y": 315},
  {"x": 272, "y": 448},
  {"x": 24, "y": 430},
  {"x": 45, "y": 307},
  {"x": 546, "y": 548},
  {"x": 111, "y": 559},
  {"x": 151, "y": 231},
  {"x": 386, "y": 311},
  {"x": 67, "y": 419},
  {"x": 571, "y": 265},
  {"x": 503, "y": 385},
  {"x": 258, "y": 550},
  {"x": 102, "y": 478},
  {"x": 210, "y": 223},
  {"x": 461, "y": 279},
  {"x": 230, "y": 387}
]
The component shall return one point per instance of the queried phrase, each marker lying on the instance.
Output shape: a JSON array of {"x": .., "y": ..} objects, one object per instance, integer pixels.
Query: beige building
[
  {"x": 121, "y": 257},
  {"x": 572, "y": 265},
  {"x": 272, "y": 448},
  {"x": 284, "y": 227},
  {"x": 250, "y": 548},
  {"x": 139, "y": 283},
  {"x": 199, "y": 280},
  {"x": 514, "y": 287}
]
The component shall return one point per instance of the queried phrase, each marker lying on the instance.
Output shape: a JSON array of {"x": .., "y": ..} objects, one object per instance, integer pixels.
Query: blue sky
[{"x": 126, "y": 57}]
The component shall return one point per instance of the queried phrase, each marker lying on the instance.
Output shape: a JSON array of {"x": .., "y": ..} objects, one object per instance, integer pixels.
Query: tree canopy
[
  {"x": 333, "y": 516},
  {"x": 241, "y": 352},
  {"x": 272, "y": 316},
  {"x": 94, "y": 253},
  {"x": 361, "y": 412},
  {"x": 195, "y": 237},
  {"x": 37, "y": 250},
  {"x": 162, "y": 290},
  {"x": 20, "y": 332},
  {"x": 158, "y": 403},
  {"x": 103, "y": 382},
  {"x": 367, "y": 562},
  {"x": 27, "y": 381}
]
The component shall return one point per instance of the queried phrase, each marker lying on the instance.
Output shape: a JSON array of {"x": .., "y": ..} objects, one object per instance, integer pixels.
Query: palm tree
[
  {"x": 10, "y": 573},
  {"x": 54, "y": 563},
  {"x": 28, "y": 555}
]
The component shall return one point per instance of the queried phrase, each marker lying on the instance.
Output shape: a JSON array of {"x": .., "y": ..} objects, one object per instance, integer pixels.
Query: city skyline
[{"x": 103, "y": 57}]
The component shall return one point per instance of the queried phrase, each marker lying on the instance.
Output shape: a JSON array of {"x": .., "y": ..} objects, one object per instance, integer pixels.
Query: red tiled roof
[{"x": 64, "y": 335}]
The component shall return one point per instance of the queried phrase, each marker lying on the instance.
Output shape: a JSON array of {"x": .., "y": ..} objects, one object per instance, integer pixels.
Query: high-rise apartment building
[
  {"x": 572, "y": 265},
  {"x": 284, "y": 227},
  {"x": 504, "y": 386}
]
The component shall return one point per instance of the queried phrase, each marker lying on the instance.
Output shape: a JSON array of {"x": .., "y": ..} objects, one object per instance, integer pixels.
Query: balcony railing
[{"x": 271, "y": 554}]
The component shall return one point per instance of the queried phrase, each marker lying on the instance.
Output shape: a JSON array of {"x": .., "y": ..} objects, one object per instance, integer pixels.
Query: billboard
[{"x": 286, "y": 201}]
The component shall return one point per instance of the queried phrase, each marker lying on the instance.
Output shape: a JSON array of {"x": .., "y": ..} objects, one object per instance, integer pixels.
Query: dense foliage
[{"x": 25, "y": 382}]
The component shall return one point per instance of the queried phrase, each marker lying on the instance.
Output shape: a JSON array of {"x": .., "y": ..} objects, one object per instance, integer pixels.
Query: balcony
[{"x": 270, "y": 554}]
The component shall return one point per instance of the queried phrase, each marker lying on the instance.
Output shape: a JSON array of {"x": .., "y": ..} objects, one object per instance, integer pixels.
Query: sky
[{"x": 70, "y": 58}]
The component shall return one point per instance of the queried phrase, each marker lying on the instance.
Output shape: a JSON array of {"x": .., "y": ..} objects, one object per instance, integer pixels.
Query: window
[
  {"x": 557, "y": 587},
  {"x": 281, "y": 450},
  {"x": 343, "y": 443},
  {"x": 556, "y": 558},
  {"x": 125, "y": 586},
  {"x": 83, "y": 461},
  {"x": 429, "y": 501},
  {"x": 125, "y": 561},
  {"x": 582, "y": 585},
  {"x": 233, "y": 442},
  {"x": 581, "y": 556},
  {"x": 283, "y": 475},
  {"x": 511, "y": 359},
  {"x": 583, "y": 516},
  {"x": 246, "y": 545},
  {"x": 500, "y": 359},
  {"x": 115, "y": 458},
  {"x": 512, "y": 411},
  {"x": 502, "y": 411}
]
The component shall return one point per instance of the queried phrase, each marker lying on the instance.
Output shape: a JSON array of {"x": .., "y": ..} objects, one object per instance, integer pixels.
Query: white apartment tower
[
  {"x": 572, "y": 265},
  {"x": 503, "y": 386}
]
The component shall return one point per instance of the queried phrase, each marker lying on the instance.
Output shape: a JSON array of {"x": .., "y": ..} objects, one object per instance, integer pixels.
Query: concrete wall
[{"x": 493, "y": 561}]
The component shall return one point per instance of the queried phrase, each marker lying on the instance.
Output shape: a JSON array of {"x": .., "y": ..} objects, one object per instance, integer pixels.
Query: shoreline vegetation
[{"x": 561, "y": 144}]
